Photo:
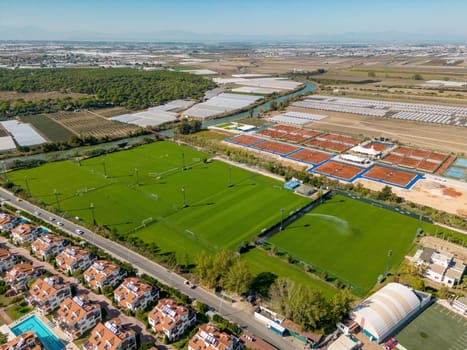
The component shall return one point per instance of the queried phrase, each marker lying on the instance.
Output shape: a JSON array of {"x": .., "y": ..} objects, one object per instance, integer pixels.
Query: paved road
[{"x": 232, "y": 311}]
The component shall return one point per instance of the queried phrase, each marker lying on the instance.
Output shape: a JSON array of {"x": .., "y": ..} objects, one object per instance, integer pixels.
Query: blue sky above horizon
[{"x": 240, "y": 17}]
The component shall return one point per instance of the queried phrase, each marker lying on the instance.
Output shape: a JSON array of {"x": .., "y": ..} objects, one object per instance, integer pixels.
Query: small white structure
[
  {"x": 460, "y": 304},
  {"x": 388, "y": 310},
  {"x": 441, "y": 266},
  {"x": 344, "y": 343}
]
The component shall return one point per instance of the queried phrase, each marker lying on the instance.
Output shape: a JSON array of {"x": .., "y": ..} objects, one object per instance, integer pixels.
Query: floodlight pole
[
  {"x": 56, "y": 199},
  {"x": 4, "y": 171},
  {"x": 282, "y": 219},
  {"x": 230, "y": 176},
  {"x": 105, "y": 168},
  {"x": 389, "y": 262},
  {"x": 137, "y": 176},
  {"x": 183, "y": 161},
  {"x": 27, "y": 185},
  {"x": 91, "y": 207},
  {"x": 184, "y": 197}
]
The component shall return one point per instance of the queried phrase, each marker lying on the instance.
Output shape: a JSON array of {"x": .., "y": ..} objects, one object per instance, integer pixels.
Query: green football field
[
  {"x": 349, "y": 239},
  {"x": 144, "y": 187},
  {"x": 436, "y": 328}
]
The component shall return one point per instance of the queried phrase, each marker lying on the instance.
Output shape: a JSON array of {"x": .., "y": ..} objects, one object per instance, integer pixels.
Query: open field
[
  {"x": 432, "y": 137},
  {"x": 436, "y": 328},
  {"x": 217, "y": 216},
  {"x": 89, "y": 123},
  {"x": 36, "y": 96},
  {"x": 349, "y": 239},
  {"x": 48, "y": 127},
  {"x": 259, "y": 261}
]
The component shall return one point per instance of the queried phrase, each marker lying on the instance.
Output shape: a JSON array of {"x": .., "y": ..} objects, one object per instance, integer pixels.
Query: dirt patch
[{"x": 451, "y": 192}]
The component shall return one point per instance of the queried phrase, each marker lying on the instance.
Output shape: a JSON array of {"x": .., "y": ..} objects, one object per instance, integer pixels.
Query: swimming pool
[{"x": 33, "y": 323}]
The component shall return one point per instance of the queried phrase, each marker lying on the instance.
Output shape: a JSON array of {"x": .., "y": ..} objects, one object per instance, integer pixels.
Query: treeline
[
  {"x": 307, "y": 307},
  {"x": 106, "y": 87}
]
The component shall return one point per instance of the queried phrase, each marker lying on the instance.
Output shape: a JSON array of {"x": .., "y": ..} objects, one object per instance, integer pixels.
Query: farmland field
[
  {"x": 47, "y": 127},
  {"x": 349, "y": 239},
  {"x": 217, "y": 216},
  {"x": 87, "y": 123}
]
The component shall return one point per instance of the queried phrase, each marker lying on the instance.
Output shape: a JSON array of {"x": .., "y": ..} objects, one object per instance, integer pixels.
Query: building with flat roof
[
  {"x": 387, "y": 310},
  {"x": 111, "y": 335},
  {"x": 440, "y": 266}
]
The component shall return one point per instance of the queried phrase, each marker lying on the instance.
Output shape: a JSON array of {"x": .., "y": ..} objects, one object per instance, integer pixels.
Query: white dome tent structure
[{"x": 388, "y": 310}]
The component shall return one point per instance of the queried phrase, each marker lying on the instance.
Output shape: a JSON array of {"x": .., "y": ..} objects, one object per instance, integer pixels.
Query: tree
[
  {"x": 385, "y": 193},
  {"x": 417, "y": 76},
  {"x": 418, "y": 284},
  {"x": 238, "y": 278},
  {"x": 3, "y": 339},
  {"x": 371, "y": 74}
]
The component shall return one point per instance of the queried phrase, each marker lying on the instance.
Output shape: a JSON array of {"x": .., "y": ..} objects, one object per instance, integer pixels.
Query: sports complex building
[{"x": 388, "y": 310}]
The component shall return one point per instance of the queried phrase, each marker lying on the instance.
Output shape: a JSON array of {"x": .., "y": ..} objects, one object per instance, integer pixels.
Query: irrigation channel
[{"x": 253, "y": 112}]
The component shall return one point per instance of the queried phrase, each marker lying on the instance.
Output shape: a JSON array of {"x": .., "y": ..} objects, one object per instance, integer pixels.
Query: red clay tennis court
[
  {"x": 308, "y": 132},
  {"x": 339, "y": 170},
  {"x": 352, "y": 141},
  {"x": 429, "y": 166},
  {"x": 286, "y": 128},
  {"x": 271, "y": 133},
  {"x": 275, "y": 147},
  {"x": 378, "y": 146},
  {"x": 328, "y": 145},
  {"x": 309, "y": 156},
  {"x": 397, "y": 177},
  {"x": 245, "y": 140},
  {"x": 416, "y": 158},
  {"x": 294, "y": 138}
]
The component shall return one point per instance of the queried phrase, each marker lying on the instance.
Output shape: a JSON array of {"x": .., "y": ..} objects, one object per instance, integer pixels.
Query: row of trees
[
  {"x": 126, "y": 87},
  {"x": 223, "y": 271},
  {"x": 307, "y": 307}
]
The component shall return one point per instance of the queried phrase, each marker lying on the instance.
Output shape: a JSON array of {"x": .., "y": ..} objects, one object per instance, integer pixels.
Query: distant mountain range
[{"x": 35, "y": 33}]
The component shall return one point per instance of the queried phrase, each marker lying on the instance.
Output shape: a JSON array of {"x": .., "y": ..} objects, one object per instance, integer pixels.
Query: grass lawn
[
  {"x": 349, "y": 239},
  {"x": 259, "y": 261},
  {"x": 436, "y": 328},
  {"x": 17, "y": 310},
  {"x": 217, "y": 216}
]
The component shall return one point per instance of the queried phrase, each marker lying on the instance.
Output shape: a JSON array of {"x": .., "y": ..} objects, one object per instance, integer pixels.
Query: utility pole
[
  {"x": 27, "y": 185},
  {"x": 282, "y": 219},
  {"x": 183, "y": 161},
  {"x": 184, "y": 197},
  {"x": 137, "y": 176},
  {"x": 56, "y": 199},
  {"x": 91, "y": 207}
]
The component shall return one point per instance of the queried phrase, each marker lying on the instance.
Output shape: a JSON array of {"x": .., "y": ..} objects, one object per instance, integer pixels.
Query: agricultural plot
[
  {"x": 89, "y": 124},
  {"x": 48, "y": 127},
  {"x": 436, "y": 328},
  {"x": 145, "y": 191},
  {"x": 349, "y": 239}
]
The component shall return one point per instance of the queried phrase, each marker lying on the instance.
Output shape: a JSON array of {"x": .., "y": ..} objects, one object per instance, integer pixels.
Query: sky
[{"x": 440, "y": 18}]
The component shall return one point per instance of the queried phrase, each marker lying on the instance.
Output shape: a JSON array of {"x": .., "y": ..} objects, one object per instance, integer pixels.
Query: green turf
[
  {"x": 217, "y": 216},
  {"x": 349, "y": 239},
  {"x": 436, "y": 328},
  {"x": 259, "y": 261}
]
